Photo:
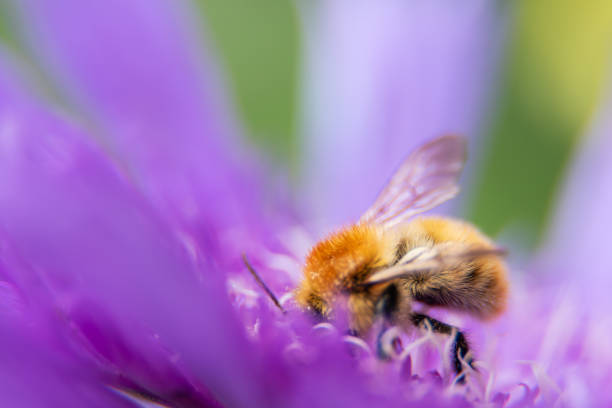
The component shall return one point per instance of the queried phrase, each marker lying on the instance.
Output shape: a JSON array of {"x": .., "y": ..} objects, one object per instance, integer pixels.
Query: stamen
[
  {"x": 417, "y": 343},
  {"x": 356, "y": 341},
  {"x": 387, "y": 342},
  {"x": 324, "y": 326}
]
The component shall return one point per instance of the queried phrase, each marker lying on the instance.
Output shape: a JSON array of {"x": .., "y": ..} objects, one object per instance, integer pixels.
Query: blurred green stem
[{"x": 259, "y": 46}]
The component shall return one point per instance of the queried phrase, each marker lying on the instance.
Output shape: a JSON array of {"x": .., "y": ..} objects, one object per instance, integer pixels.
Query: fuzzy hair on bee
[
  {"x": 388, "y": 260},
  {"x": 345, "y": 262}
]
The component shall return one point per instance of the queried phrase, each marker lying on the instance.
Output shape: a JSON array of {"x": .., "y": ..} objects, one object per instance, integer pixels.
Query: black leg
[
  {"x": 388, "y": 303},
  {"x": 386, "y": 307},
  {"x": 459, "y": 348}
]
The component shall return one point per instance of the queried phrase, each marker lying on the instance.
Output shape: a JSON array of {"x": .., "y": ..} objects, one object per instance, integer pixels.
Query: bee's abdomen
[{"x": 478, "y": 286}]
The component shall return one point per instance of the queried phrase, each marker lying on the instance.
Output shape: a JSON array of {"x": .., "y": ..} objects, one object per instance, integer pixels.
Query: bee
[{"x": 386, "y": 261}]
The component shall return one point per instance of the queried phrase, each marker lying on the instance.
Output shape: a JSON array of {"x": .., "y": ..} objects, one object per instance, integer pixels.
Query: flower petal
[
  {"x": 382, "y": 78},
  {"x": 33, "y": 375},
  {"x": 96, "y": 244},
  {"x": 136, "y": 71},
  {"x": 578, "y": 239},
  {"x": 558, "y": 323}
]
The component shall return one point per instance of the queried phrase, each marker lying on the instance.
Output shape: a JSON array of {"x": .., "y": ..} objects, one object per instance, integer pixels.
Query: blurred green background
[
  {"x": 260, "y": 47},
  {"x": 553, "y": 70}
]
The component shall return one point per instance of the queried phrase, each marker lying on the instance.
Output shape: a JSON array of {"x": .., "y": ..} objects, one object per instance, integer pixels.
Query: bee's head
[
  {"x": 337, "y": 266},
  {"x": 319, "y": 308},
  {"x": 360, "y": 307}
]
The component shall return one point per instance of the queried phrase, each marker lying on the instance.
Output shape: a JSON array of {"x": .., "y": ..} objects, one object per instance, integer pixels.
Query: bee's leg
[
  {"x": 388, "y": 303},
  {"x": 459, "y": 348},
  {"x": 391, "y": 307}
]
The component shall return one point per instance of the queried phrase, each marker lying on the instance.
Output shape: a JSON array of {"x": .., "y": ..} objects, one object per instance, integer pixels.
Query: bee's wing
[
  {"x": 431, "y": 260},
  {"x": 427, "y": 178}
]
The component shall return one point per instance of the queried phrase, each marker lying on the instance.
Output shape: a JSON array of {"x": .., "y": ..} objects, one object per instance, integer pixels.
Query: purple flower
[{"x": 123, "y": 216}]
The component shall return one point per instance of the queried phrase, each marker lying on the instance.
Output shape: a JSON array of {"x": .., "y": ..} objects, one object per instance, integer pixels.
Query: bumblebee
[{"x": 387, "y": 260}]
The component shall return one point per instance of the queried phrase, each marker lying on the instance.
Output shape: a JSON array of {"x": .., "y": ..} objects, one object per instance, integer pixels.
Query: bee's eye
[
  {"x": 318, "y": 307},
  {"x": 388, "y": 302}
]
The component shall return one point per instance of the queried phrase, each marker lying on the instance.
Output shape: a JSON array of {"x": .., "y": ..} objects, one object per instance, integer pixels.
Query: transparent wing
[
  {"x": 427, "y": 178},
  {"x": 432, "y": 259}
]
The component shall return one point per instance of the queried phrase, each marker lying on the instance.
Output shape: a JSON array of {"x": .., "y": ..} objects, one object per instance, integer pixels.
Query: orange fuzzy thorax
[{"x": 333, "y": 262}]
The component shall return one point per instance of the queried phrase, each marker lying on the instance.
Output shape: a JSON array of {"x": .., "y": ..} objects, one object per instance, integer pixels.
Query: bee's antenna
[{"x": 261, "y": 283}]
